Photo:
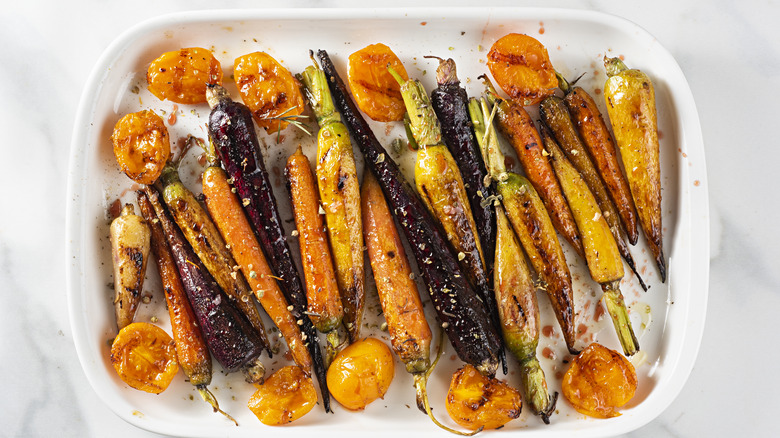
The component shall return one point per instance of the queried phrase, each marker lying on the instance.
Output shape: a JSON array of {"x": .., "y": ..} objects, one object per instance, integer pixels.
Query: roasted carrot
[
  {"x": 519, "y": 312},
  {"x": 192, "y": 351},
  {"x": 530, "y": 221},
  {"x": 464, "y": 319},
  {"x": 450, "y": 102},
  {"x": 229, "y": 218},
  {"x": 232, "y": 131},
  {"x": 556, "y": 118},
  {"x": 230, "y": 337},
  {"x": 322, "y": 291},
  {"x": 129, "y": 235},
  {"x": 442, "y": 190},
  {"x": 518, "y": 127},
  {"x": 601, "y": 251},
  {"x": 630, "y": 99},
  {"x": 337, "y": 182},
  {"x": 200, "y": 231},
  {"x": 601, "y": 147},
  {"x": 410, "y": 334}
]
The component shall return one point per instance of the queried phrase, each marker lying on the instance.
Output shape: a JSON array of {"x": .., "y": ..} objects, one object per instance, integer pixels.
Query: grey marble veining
[{"x": 729, "y": 52}]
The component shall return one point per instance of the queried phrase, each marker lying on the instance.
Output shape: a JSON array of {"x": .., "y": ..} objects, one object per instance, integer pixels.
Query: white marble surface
[{"x": 729, "y": 52}]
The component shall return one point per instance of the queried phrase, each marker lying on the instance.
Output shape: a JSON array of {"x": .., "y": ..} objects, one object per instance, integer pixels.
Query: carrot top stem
[
  {"x": 421, "y": 383},
  {"x": 616, "y": 307},
  {"x": 212, "y": 159},
  {"x": 487, "y": 138},
  {"x": 317, "y": 91},
  {"x": 210, "y": 399},
  {"x": 446, "y": 73},
  {"x": 614, "y": 66},
  {"x": 563, "y": 84},
  {"x": 169, "y": 175},
  {"x": 332, "y": 346},
  {"x": 423, "y": 122}
]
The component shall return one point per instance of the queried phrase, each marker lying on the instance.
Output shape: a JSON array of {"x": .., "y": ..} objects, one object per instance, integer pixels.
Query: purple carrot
[
  {"x": 230, "y": 337},
  {"x": 463, "y": 316},
  {"x": 232, "y": 132}
]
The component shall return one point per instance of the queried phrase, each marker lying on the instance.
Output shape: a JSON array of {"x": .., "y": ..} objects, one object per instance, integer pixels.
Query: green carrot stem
[
  {"x": 317, "y": 91},
  {"x": 535, "y": 389},
  {"x": 421, "y": 384},
  {"x": 563, "y": 84},
  {"x": 332, "y": 344},
  {"x": 614, "y": 66},
  {"x": 209, "y": 398},
  {"x": 616, "y": 308},
  {"x": 487, "y": 138},
  {"x": 423, "y": 122},
  {"x": 409, "y": 134},
  {"x": 169, "y": 175}
]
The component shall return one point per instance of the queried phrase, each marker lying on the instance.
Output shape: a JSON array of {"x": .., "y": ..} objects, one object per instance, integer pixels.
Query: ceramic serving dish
[{"x": 668, "y": 319}]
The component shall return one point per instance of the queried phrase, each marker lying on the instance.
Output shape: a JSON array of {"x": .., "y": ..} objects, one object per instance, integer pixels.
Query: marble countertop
[{"x": 728, "y": 51}]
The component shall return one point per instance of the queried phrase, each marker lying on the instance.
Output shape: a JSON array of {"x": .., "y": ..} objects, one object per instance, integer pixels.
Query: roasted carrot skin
[
  {"x": 515, "y": 293},
  {"x": 340, "y": 194},
  {"x": 630, "y": 99},
  {"x": 339, "y": 191},
  {"x": 230, "y": 337},
  {"x": 530, "y": 221},
  {"x": 204, "y": 238},
  {"x": 322, "y": 291},
  {"x": 464, "y": 319},
  {"x": 235, "y": 228},
  {"x": 191, "y": 349},
  {"x": 597, "y": 139},
  {"x": 557, "y": 121},
  {"x": 410, "y": 334},
  {"x": 534, "y": 229},
  {"x": 519, "y": 310},
  {"x": 450, "y": 102},
  {"x": 518, "y": 127},
  {"x": 601, "y": 250},
  {"x": 129, "y": 235},
  {"x": 232, "y": 132}
]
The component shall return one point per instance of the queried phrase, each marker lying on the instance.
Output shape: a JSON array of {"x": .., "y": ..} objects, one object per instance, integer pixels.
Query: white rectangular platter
[{"x": 668, "y": 319}]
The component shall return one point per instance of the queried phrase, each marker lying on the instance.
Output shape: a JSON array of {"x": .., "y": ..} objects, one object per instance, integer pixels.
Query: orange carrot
[
  {"x": 192, "y": 352},
  {"x": 229, "y": 217},
  {"x": 518, "y": 127},
  {"x": 410, "y": 334},
  {"x": 322, "y": 291}
]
